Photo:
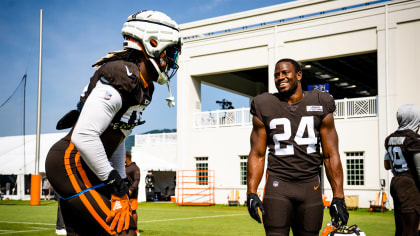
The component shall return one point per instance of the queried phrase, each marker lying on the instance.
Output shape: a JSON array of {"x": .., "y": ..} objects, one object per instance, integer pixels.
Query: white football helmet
[{"x": 157, "y": 35}]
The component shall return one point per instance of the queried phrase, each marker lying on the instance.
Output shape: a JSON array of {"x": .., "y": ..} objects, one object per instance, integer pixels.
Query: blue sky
[{"x": 76, "y": 34}]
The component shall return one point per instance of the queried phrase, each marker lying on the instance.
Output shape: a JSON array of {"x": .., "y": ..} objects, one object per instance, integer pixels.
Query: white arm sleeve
[
  {"x": 416, "y": 158},
  {"x": 118, "y": 160},
  {"x": 97, "y": 113}
]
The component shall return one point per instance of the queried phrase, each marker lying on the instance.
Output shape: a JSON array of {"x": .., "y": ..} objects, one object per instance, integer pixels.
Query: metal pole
[
  {"x": 24, "y": 126},
  {"x": 38, "y": 116},
  {"x": 36, "y": 178}
]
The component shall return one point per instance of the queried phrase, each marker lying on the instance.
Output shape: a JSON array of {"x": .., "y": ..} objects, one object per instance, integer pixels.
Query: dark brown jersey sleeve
[
  {"x": 255, "y": 110},
  {"x": 328, "y": 101}
]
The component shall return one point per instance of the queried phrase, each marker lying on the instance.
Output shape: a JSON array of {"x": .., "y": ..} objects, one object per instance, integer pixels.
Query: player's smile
[{"x": 284, "y": 83}]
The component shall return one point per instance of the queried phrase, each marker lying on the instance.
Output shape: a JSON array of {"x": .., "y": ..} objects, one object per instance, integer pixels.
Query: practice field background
[{"x": 19, "y": 218}]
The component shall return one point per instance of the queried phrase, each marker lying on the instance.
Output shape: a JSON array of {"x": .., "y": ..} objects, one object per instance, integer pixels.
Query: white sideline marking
[
  {"x": 149, "y": 221},
  {"x": 33, "y": 229},
  {"x": 190, "y": 218},
  {"x": 39, "y": 228},
  {"x": 23, "y": 231},
  {"x": 28, "y": 223}
]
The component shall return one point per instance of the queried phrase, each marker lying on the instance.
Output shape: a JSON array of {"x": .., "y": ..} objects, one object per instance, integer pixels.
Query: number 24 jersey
[{"x": 293, "y": 136}]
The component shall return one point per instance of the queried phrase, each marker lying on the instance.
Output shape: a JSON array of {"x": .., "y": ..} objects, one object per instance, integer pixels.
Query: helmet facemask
[{"x": 166, "y": 64}]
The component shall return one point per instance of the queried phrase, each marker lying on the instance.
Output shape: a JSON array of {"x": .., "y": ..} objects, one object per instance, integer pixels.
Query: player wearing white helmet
[
  {"x": 87, "y": 167},
  {"x": 158, "y": 37}
]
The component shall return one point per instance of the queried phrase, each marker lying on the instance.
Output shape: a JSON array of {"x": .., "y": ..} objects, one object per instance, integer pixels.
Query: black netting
[{"x": 12, "y": 112}]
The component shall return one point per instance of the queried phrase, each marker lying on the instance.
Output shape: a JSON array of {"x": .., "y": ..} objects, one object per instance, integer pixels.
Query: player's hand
[
  {"x": 253, "y": 202},
  {"x": 338, "y": 211},
  {"x": 120, "y": 213},
  {"x": 120, "y": 206}
]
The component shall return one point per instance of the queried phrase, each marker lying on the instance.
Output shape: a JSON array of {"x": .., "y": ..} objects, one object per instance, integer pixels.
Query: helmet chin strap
[
  {"x": 162, "y": 79},
  {"x": 171, "y": 98}
]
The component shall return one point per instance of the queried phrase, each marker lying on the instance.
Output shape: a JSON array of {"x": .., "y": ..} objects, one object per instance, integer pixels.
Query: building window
[
  {"x": 355, "y": 168},
  {"x": 243, "y": 169},
  {"x": 202, "y": 173}
]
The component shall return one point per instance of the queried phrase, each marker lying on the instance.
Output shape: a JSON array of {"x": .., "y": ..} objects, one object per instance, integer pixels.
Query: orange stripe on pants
[
  {"x": 77, "y": 188},
  {"x": 87, "y": 183}
]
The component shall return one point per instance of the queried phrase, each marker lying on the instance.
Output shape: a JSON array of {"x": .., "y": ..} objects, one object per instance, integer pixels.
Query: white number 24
[{"x": 307, "y": 122}]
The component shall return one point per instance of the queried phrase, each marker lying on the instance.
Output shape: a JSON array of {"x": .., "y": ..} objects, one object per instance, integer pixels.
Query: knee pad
[
  {"x": 312, "y": 218},
  {"x": 277, "y": 213}
]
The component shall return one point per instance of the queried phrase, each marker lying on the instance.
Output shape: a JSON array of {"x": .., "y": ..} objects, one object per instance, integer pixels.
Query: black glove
[
  {"x": 253, "y": 202},
  {"x": 116, "y": 185},
  {"x": 338, "y": 211}
]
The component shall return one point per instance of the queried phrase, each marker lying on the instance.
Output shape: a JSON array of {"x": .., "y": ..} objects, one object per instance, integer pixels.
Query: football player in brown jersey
[
  {"x": 294, "y": 124},
  {"x": 133, "y": 177},
  {"x": 403, "y": 158},
  {"x": 87, "y": 167}
]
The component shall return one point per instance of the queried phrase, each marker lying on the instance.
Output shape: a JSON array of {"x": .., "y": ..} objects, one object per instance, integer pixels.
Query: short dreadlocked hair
[{"x": 128, "y": 54}]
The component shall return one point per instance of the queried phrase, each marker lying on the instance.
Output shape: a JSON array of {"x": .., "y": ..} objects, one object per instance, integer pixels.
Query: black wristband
[
  {"x": 338, "y": 200},
  {"x": 116, "y": 185}
]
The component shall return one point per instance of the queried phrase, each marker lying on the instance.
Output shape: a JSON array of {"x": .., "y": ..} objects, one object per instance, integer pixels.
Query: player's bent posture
[
  {"x": 293, "y": 124},
  {"x": 87, "y": 167},
  {"x": 403, "y": 158}
]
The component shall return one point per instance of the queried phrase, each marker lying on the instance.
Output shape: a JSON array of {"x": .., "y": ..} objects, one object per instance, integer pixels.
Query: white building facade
[{"x": 238, "y": 52}]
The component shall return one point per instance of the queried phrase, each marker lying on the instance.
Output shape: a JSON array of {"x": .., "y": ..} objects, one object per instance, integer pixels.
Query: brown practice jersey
[
  {"x": 293, "y": 137},
  {"x": 135, "y": 93},
  {"x": 133, "y": 176},
  {"x": 401, "y": 145}
]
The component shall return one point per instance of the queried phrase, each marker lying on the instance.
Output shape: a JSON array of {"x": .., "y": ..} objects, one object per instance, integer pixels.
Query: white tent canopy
[
  {"x": 159, "y": 160},
  {"x": 17, "y": 159},
  {"x": 150, "y": 162}
]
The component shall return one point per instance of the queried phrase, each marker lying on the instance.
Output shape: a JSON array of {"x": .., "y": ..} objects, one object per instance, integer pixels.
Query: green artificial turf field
[{"x": 19, "y": 218}]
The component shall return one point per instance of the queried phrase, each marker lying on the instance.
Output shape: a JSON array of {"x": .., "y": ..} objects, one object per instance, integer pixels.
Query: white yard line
[
  {"x": 141, "y": 222},
  {"x": 23, "y": 231},
  {"x": 27, "y": 223},
  {"x": 32, "y": 229},
  {"x": 190, "y": 218}
]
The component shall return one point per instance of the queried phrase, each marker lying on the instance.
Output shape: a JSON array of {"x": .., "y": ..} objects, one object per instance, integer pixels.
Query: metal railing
[
  {"x": 345, "y": 109},
  {"x": 222, "y": 118},
  {"x": 355, "y": 108},
  {"x": 155, "y": 139}
]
